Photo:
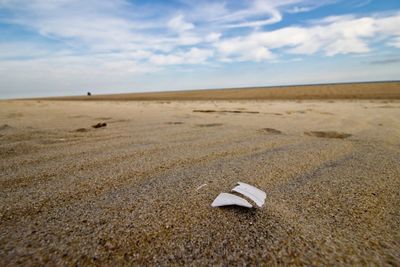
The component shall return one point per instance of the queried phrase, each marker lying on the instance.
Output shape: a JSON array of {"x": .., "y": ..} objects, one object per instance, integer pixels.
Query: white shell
[
  {"x": 251, "y": 192},
  {"x": 226, "y": 199}
]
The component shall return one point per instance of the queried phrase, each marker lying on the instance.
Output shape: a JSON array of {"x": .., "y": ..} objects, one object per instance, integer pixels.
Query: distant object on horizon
[{"x": 89, "y": 93}]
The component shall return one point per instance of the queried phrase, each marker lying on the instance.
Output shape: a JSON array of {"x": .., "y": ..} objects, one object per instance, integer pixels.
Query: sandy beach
[
  {"x": 335, "y": 91},
  {"x": 138, "y": 191}
]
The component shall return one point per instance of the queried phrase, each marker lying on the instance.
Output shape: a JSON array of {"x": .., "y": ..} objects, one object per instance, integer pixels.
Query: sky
[{"x": 69, "y": 47}]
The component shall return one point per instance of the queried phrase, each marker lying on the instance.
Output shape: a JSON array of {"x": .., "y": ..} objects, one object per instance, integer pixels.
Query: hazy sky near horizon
[{"x": 69, "y": 47}]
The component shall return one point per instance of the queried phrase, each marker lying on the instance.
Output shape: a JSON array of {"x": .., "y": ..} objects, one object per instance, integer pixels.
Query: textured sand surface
[
  {"x": 133, "y": 192},
  {"x": 374, "y": 90}
]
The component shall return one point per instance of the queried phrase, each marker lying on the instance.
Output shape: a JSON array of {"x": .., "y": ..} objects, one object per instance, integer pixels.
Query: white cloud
[
  {"x": 193, "y": 56},
  {"x": 22, "y": 50},
  {"x": 118, "y": 26},
  {"x": 389, "y": 25},
  {"x": 297, "y": 9},
  {"x": 186, "y": 39},
  {"x": 306, "y": 6},
  {"x": 61, "y": 75},
  {"x": 346, "y": 46},
  {"x": 239, "y": 49},
  {"x": 274, "y": 16},
  {"x": 332, "y": 36},
  {"x": 179, "y": 24},
  {"x": 96, "y": 25},
  {"x": 395, "y": 42},
  {"x": 213, "y": 37},
  {"x": 258, "y": 13}
]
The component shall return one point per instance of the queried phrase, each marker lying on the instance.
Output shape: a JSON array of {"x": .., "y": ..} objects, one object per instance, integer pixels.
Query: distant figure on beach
[{"x": 89, "y": 94}]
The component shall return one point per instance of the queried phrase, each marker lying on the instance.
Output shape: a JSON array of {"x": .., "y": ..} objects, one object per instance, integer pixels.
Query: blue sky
[{"x": 68, "y": 47}]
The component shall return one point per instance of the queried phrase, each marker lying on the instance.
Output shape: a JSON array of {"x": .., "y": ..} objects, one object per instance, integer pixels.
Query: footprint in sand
[
  {"x": 328, "y": 134},
  {"x": 270, "y": 131}
]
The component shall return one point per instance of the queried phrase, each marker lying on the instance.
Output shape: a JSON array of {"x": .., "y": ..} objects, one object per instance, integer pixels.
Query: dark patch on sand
[
  {"x": 82, "y": 130},
  {"x": 16, "y": 149},
  {"x": 224, "y": 111},
  {"x": 15, "y": 115},
  {"x": 103, "y": 118},
  {"x": 78, "y": 116},
  {"x": 328, "y": 134},
  {"x": 99, "y": 125},
  {"x": 117, "y": 121},
  {"x": 271, "y": 113},
  {"x": 323, "y": 112},
  {"x": 174, "y": 122},
  {"x": 205, "y": 110},
  {"x": 296, "y": 111},
  {"x": 270, "y": 131},
  {"x": 49, "y": 141},
  {"x": 209, "y": 125},
  {"x": 5, "y": 127},
  {"x": 388, "y": 106}
]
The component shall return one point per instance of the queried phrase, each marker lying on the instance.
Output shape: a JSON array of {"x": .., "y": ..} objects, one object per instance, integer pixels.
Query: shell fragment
[
  {"x": 254, "y": 194},
  {"x": 251, "y": 192},
  {"x": 226, "y": 199}
]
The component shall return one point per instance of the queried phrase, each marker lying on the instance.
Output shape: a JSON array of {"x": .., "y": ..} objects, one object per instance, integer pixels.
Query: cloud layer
[
  {"x": 114, "y": 36},
  {"x": 118, "y": 26}
]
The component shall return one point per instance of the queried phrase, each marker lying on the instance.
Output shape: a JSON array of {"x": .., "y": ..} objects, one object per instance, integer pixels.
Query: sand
[
  {"x": 138, "y": 190},
  {"x": 370, "y": 90}
]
